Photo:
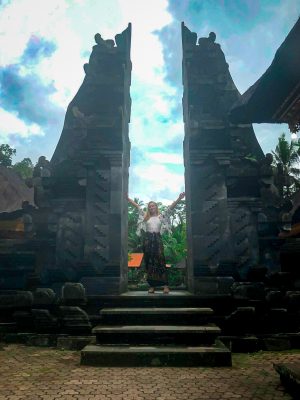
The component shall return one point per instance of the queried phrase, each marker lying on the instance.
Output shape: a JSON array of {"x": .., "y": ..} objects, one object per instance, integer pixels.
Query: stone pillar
[{"x": 216, "y": 168}]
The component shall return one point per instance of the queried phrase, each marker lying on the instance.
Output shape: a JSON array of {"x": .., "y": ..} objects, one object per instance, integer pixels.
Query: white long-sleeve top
[{"x": 157, "y": 223}]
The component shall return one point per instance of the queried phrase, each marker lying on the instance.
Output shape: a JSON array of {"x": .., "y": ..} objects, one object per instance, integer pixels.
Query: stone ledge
[
  {"x": 289, "y": 376},
  {"x": 155, "y": 356}
]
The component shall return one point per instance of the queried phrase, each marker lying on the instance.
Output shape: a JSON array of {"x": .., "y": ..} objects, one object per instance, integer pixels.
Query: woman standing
[{"x": 154, "y": 223}]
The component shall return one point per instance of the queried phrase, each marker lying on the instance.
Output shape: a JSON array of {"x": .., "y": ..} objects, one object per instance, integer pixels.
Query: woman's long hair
[{"x": 147, "y": 215}]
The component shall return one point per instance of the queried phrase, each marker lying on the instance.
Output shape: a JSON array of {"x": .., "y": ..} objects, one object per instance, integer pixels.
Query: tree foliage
[
  {"x": 6, "y": 155},
  {"x": 134, "y": 241},
  {"x": 24, "y": 168},
  {"x": 286, "y": 159}
]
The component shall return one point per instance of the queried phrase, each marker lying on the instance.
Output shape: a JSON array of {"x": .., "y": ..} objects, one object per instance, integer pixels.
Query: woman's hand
[
  {"x": 132, "y": 202},
  {"x": 174, "y": 204}
]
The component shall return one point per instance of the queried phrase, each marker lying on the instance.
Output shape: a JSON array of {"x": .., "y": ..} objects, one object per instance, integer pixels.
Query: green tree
[
  {"x": 134, "y": 241},
  {"x": 6, "y": 155},
  {"x": 24, "y": 168},
  {"x": 286, "y": 159}
]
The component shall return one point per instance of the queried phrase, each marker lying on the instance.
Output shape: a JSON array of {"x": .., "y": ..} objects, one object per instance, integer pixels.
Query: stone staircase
[{"x": 156, "y": 336}]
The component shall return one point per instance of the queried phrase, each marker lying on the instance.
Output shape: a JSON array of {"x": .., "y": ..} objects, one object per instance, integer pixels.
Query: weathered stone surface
[
  {"x": 222, "y": 186},
  {"x": 99, "y": 284},
  {"x": 20, "y": 337},
  {"x": 89, "y": 169},
  {"x": 44, "y": 297},
  {"x": 24, "y": 320},
  {"x": 15, "y": 299},
  {"x": 242, "y": 344},
  {"x": 41, "y": 340},
  {"x": 74, "y": 319},
  {"x": 228, "y": 269},
  {"x": 74, "y": 292},
  {"x": 257, "y": 274},
  {"x": 155, "y": 356},
  {"x": 81, "y": 213},
  {"x": 44, "y": 321},
  {"x": 280, "y": 280},
  {"x": 274, "y": 298},
  {"x": 278, "y": 320},
  {"x": 290, "y": 376},
  {"x": 297, "y": 284},
  {"x": 157, "y": 334},
  {"x": 248, "y": 290},
  {"x": 7, "y": 327},
  {"x": 213, "y": 285},
  {"x": 240, "y": 321},
  {"x": 293, "y": 299},
  {"x": 276, "y": 344},
  {"x": 74, "y": 342}
]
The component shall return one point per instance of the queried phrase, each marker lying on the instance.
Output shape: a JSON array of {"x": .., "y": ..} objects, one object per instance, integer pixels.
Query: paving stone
[{"x": 31, "y": 373}]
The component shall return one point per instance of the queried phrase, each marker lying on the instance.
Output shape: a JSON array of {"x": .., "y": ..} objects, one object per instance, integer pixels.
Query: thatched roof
[{"x": 13, "y": 191}]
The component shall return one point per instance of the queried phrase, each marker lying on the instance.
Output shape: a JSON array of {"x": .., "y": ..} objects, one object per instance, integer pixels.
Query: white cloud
[
  {"x": 146, "y": 17},
  {"x": 11, "y": 125},
  {"x": 153, "y": 179},
  {"x": 166, "y": 158},
  {"x": 22, "y": 18}
]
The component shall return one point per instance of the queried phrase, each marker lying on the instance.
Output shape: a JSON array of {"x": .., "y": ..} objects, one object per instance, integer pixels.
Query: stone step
[
  {"x": 221, "y": 304},
  {"x": 157, "y": 310},
  {"x": 155, "y": 356},
  {"x": 156, "y": 316},
  {"x": 156, "y": 334}
]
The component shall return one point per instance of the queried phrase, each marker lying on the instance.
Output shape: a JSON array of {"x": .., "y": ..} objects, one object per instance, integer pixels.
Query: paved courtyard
[{"x": 36, "y": 373}]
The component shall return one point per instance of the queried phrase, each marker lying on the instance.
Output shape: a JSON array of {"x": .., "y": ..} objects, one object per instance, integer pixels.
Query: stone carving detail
[
  {"x": 69, "y": 248},
  {"x": 100, "y": 213}
]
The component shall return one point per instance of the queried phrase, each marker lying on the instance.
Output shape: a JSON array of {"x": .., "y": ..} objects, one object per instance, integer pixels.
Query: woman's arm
[
  {"x": 174, "y": 204},
  {"x": 133, "y": 202}
]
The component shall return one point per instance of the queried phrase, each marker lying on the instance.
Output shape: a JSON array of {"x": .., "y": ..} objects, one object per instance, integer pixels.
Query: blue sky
[{"x": 44, "y": 45}]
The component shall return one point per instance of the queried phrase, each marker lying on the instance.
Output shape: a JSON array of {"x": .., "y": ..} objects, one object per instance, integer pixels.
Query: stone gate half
[
  {"x": 85, "y": 192},
  {"x": 222, "y": 185}
]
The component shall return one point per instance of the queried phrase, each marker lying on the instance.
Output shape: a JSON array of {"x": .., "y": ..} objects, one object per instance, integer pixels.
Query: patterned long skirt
[{"x": 154, "y": 259}]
